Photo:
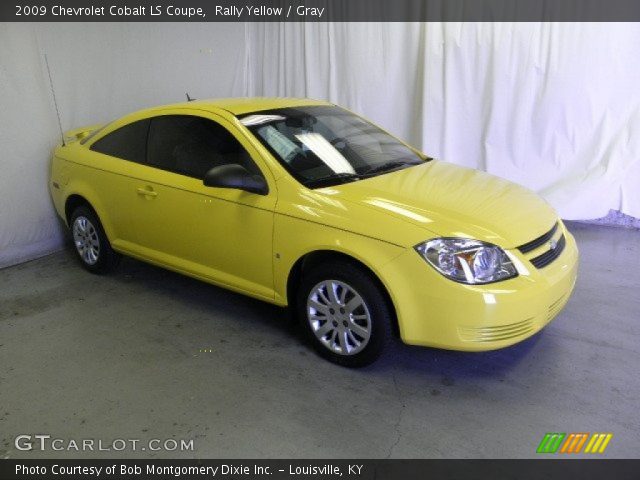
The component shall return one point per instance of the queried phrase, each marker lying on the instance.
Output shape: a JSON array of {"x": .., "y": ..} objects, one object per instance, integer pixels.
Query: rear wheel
[
  {"x": 91, "y": 244},
  {"x": 344, "y": 314}
]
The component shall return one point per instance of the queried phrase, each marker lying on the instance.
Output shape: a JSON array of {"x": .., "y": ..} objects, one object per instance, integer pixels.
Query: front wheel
[{"x": 344, "y": 314}]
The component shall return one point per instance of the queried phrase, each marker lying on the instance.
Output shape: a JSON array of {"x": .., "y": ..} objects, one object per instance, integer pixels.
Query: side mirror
[{"x": 235, "y": 176}]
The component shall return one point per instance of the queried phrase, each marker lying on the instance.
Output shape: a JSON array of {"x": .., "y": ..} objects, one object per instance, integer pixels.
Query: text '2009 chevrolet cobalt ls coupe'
[{"x": 304, "y": 204}]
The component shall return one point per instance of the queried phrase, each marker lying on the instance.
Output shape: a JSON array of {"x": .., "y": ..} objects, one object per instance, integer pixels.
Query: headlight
[{"x": 467, "y": 261}]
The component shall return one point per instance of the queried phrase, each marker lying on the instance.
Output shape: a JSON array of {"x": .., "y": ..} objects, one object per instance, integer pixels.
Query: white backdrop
[{"x": 555, "y": 107}]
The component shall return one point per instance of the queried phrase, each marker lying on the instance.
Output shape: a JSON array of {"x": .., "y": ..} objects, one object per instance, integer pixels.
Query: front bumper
[{"x": 437, "y": 312}]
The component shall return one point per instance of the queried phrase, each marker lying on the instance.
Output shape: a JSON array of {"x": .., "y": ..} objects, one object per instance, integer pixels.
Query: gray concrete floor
[{"x": 123, "y": 356}]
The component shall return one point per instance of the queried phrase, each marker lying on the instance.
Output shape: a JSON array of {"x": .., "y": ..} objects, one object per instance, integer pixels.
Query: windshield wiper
[
  {"x": 330, "y": 179},
  {"x": 385, "y": 167}
]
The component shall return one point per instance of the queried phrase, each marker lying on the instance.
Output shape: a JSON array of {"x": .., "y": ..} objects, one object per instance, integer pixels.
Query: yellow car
[{"x": 304, "y": 204}]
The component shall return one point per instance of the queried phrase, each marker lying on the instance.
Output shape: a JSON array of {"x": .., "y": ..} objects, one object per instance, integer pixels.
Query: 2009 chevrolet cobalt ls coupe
[{"x": 304, "y": 204}]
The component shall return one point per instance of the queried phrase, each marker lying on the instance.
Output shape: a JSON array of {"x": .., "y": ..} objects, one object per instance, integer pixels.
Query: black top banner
[{"x": 320, "y": 11}]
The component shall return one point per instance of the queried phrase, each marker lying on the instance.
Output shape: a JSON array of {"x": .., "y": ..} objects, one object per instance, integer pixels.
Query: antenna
[
  {"x": 189, "y": 99},
  {"x": 53, "y": 94}
]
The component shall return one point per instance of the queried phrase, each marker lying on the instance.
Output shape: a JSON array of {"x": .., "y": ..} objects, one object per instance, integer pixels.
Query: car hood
[{"x": 449, "y": 200}]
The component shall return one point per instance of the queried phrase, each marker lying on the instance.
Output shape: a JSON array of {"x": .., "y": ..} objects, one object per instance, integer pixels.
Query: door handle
[{"x": 147, "y": 192}]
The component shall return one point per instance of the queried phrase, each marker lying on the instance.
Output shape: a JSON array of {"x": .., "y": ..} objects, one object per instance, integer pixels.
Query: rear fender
[{"x": 83, "y": 189}]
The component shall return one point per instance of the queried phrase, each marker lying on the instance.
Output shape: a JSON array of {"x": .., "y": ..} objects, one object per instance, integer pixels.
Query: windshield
[{"x": 326, "y": 145}]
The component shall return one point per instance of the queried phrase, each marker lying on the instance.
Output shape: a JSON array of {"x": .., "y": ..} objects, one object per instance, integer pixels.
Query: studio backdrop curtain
[{"x": 552, "y": 106}]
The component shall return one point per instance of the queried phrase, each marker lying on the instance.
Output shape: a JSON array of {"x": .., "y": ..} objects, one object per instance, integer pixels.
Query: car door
[{"x": 221, "y": 235}]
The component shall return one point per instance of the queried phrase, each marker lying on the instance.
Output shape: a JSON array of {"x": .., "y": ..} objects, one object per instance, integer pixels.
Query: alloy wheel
[
  {"x": 339, "y": 317},
  {"x": 85, "y": 237}
]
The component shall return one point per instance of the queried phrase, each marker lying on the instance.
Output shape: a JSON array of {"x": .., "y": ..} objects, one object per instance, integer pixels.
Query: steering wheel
[
  {"x": 300, "y": 162},
  {"x": 338, "y": 140}
]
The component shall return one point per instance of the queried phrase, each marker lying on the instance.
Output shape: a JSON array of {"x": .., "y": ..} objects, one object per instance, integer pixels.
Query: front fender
[{"x": 294, "y": 238}]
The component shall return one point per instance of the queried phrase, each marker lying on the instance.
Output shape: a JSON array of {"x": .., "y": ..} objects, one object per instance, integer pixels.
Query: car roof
[{"x": 242, "y": 105}]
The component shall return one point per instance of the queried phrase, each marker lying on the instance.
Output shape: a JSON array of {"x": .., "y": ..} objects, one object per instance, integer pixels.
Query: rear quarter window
[{"x": 128, "y": 142}]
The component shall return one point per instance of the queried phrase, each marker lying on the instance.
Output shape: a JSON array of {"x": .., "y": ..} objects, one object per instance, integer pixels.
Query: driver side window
[{"x": 191, "y": 145}]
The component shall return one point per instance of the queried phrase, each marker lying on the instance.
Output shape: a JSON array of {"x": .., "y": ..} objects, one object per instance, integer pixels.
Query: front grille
[
  {"x": 549, "y": 256},
  {"x": 538, "y": 242},
  {"x": 497, "y": 333}
]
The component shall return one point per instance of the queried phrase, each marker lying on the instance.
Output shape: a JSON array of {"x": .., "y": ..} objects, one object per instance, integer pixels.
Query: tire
[
  {"x": 343, "y": 298},
  {"x": 90, "y": 242}
]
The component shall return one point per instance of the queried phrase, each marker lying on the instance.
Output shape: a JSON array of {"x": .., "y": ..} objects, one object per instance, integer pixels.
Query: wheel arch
[
  {"x": 316, "y": 257},
  {"x": 72, "y": 202},
  {"x": 78, "y": 198}
]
